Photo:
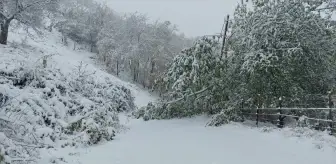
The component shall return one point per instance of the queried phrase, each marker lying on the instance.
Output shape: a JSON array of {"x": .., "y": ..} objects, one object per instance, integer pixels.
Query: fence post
[
  {"x": 258, "y": 104},
  {"x": 280, "y": 118},
  {"x": 257, "y": 120},
  {"x": 330, "y": 105},
  {"x": 242, "y": 110}
]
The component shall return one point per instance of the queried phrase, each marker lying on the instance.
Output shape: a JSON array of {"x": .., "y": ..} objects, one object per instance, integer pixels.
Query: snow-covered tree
[
  {"x": 27, "y": 12},
  {"x": 283, "y": 44},
  {"x": 275, "y": 49},
  {"x": 130, "y": 45},
  {"x": 194, "y": 82}
]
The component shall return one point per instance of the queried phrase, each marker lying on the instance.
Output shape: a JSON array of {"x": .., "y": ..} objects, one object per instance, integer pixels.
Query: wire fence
[{"x": 317, "y": 118}]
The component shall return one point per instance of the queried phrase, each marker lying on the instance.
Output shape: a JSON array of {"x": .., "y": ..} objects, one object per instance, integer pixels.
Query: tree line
[{"x": 126, "y": 45}]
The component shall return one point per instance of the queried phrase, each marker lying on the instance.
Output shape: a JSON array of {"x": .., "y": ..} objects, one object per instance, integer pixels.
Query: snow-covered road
[{"x": 187, "y": 141}]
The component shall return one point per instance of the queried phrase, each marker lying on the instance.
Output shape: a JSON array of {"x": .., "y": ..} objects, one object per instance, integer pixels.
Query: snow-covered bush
[
  {"x": 94, "y": 129},
  {"x": 225, "y": 116},
  {"x": 14, "y": 146},
  {"x": 163, "y": 110},
  {"x": 54, "y": 109},
  {"x": 139, "y": 112}
]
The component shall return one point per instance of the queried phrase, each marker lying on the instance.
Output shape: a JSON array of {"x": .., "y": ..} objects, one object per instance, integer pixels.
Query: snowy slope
[
  {"x": 67, "y": 59},
  {"x": 57, "y": 105}
]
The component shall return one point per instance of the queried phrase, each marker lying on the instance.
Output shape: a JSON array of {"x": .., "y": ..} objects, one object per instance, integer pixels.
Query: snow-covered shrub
[
  {"x": 94, "y": 127},
  {"x": 163, "y": 110},
  {"x": 85, "y": 83},
  {"x": 139, "y": 113},
  {"x": 14, "y": 147},
  {"x": 224, "y": 117},
  {"x": 54, "y": 109}
]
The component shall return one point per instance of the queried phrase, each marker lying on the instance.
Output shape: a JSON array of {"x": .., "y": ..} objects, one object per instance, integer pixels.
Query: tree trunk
[
  {"x": 134, "y": 74},
  {"x": 91, "y": 43},
  {"x": 51, "y": 27},
  {"x": 117, "y": 67},
  {"x": 4, "y": 32},
  {"x": 153, "y": 66},
  {"x": 136, "y": 71},
  {"x": 138, "y": 67}
]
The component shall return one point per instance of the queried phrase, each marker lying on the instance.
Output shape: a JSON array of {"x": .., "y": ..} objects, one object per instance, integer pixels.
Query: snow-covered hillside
[
  {"x": 179, "y": 141},
  {"x": 67, "y": 60},
  {"x": 52, "y": 96}
]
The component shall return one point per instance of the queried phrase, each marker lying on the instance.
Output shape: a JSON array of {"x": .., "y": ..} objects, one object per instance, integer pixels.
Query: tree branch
[
  {"x": 325, "y": 8},
  {"x": 193, "y": 94}
]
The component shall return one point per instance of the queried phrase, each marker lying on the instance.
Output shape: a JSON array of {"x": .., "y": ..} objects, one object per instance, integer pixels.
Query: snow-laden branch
[
  {"x": 326, "y": 8},
  {"x": 193, "y": 94}
]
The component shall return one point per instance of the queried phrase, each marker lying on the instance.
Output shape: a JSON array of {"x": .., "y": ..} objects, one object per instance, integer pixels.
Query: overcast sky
[{"x": 193, "y": 17}]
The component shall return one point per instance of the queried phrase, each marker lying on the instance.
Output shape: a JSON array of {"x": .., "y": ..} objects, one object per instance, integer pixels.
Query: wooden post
[
  {"x": 258, "y": 105},
  {"x": 330, "y": 105},
  {"x": 257, "y": 120},
  {"x": 280, "y": 118},
  {"x": 242, "y": 110}
]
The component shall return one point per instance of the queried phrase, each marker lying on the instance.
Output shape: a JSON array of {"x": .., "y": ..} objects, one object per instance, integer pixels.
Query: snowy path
[{"x": 187, "y": 141}]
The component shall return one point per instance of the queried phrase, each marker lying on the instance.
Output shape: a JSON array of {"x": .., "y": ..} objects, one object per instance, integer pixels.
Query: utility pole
[{"x": 224, "y": 35}]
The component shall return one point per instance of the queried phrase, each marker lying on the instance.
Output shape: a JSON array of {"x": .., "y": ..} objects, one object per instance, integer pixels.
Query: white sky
[{"x": 193, "y": 17}]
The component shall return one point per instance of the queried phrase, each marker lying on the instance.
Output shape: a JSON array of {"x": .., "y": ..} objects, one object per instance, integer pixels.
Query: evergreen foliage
[{"x": 277, "y": 49}]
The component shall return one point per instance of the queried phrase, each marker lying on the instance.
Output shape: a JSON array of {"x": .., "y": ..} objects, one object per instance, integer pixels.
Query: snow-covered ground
[
  {"x": 180, "y": 141},
  {"x": 188, "y": 141}
]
